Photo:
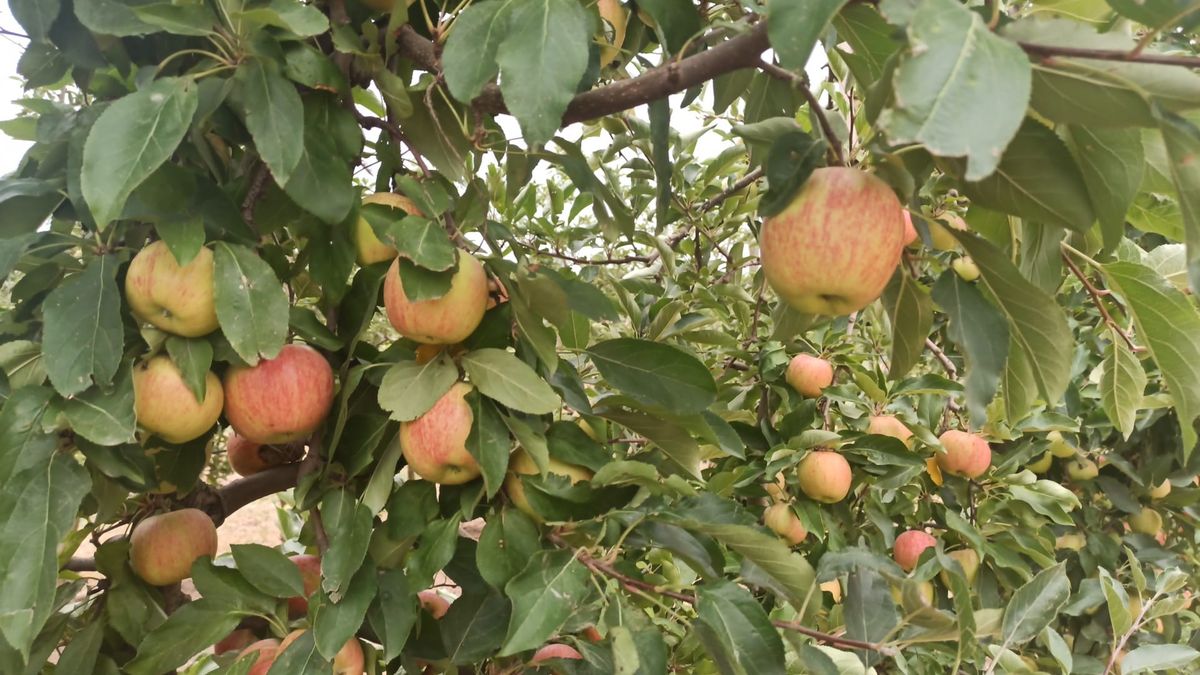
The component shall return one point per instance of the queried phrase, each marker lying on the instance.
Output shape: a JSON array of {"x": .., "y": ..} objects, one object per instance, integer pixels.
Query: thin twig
[
  {"x": 741, "y": 184},
  {"x": 934, "y": 349},
  {"x": 801, "y": 83},
  {"x": 257, "y": 185},
  {"x": 1154, "y": 31},
  {"x": 598, "y": 261},
  {"x": 398, "y": 137},
  {"x": 1050, "y": 51},
  {"x": 1098, "y": 300}
]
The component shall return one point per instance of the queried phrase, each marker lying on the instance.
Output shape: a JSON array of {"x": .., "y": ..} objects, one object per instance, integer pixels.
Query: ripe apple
[
  {"x": 784, "y": 522},
  {"x": 520, "y": 463},
  {"x": 310, "y": 574},
  {"x": 247, "y": 458},
  {"x": 1059, "y": 447},
  {"x": 167, "y": 408},
  {"x": 282, "y": 399},
  {"x": 966, "y": 454},
  {"x": 1159, "y": 491},
  {"x": 969, "y": 560},
  {"x": 910, "y": 232},
  {"x": 809, "y": 375},
  {"x": 966, "y": 268},
  {"x": 889, "y": 425},
  {"x": 834, "y": 247},
  {"x": 176, "y": 299},
  {"x": 833, "y": 588},
  {"x": 1147, "y": 521},
  {"x": 370, "y": 249},
  {"x": 909, "y": 546},
  {"x": 555, "y": 650},
  {"x": 163, "y": 547},
  {"x": 433, "y": 602},
  {"x": 612, "y": 12},
  {"x": 265, "y": 652},
  {"x": 824, "y": 476},
  {"x": 1082, "y": 469},
  {"x": 237, "y": 640},
  {"x": 592, "y": 634},
  {"x": 777, "y": 488},
  {"x": 1042, "y": 464},
  {"x": 348, "y": 661},
  {"x": 445, "y": 320},
  {"x": 435, "y": 444}
]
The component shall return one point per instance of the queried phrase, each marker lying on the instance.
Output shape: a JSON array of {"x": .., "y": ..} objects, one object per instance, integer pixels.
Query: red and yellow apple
[
  {"x": 824, "y": 476},
  {"x": 282, "y": 399},
  {"x": 1147, "y": 521},
  {"x": 835, "y": 246},
  {"x": 310, "y": 575},
  {"x": 612, "y": 12},
  {"x": 910, "y": 232},
  {"x": 265, "y": 652},
  {"x": 777, "y": 488},
  {"x": 969, "y": 560},
  {"x": 555, "y": 650},
  {"x": 966, "y": 455},
  {"x": 433, "y": 602},
  {"x": 348, "y": 661},
  {"x": 247, "y": 458},
  {"x": 167, "y": 408},
  {"x": 237, "y": 640},
  {"x": 521, "y": 464},
  {"x": 370, "y": 249},
  {"x": 435, "y": 444},
  {"x": 909, "y": 546},
  {"x": 809, "y": 375},
  {"x": 176, "y": 299},
  {"x": 445, "y": 320},
  {"x": 889, "y": 425},
  {"x": 163, "y": 547},
  {"x": 784, "y": 522}
]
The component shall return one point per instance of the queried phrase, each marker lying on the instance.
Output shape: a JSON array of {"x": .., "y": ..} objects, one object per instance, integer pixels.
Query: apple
[
  {"x": 310, "y": 574},
  {"x": 435, "y": 444},
  {"x": 282, "y": 399},
  {"x": 588, "y": 429},
  {"x": 1159, "y": 491},
  {"x": 833, "y": 588},
  {"x": 889, "y": 425},
  {"x": 592, "y": 634},
  {"x": 909, "y": 546},
  {"x": 176, "y": 299},
  {"x": 809, "y": 375},
  {"x": 784, "y": 522},
  {"x": 370, "y": 249},
  {"x": 835, "y": 246},
  {"x": 348, "y": 661},
  {"x": 969, "y": 560},
  {"x": 924, "y": 591},
  {"x": 777, "y": 488},
  {"x": 445, "y": 320},
  {"x": 965, "y": 268},
  {"x": 555, "y": 650},
  {"x": 167, "y": 408},
  {"x": 611, "y": 12},
  {"x": 265, "y": 652},
  {"x": 520, "y": 463},
  {"x": 1042, "y": 464},
  {"x": 1147, "y": 521},
  {"x": 1059, "y": 447},
  {"x": 1082, "y": 469},
  {"x": 247, "y": 458},
  {"x": 433, "y": 602},
  {"x": 824, "y": 476},
  {"x": 237, "y": 640},
  {"x": 1071, "y": 541},
  {"x": 966, "y": 454},
  {"x": 910, "y": 232},
  {"x": 940, "y": 236},
  {"x": 163, "y": 547}
]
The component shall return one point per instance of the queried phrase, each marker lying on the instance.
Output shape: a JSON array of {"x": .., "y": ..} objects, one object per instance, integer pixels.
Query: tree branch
[
  {"x": 1050, "y": 51},
  {"x": 801, "y": 83},
  {"x": 741, "y": 184},
  {"x": 1097, "y": 300}
]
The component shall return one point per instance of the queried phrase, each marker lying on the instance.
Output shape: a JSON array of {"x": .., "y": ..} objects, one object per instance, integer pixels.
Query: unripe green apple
[
  {"x": 370, "y": 248},
  {"x": 521, "y": 464},
  {"x": 348, "y": 661},
  {"x": 969, "y": 560},
  {"x": 435, "y": 444},
  {"x": 1159, "y": 491},
  {"x": 1147, "y": 521},
  {"x": 966, "y": 454},
  {"x": 924, "y": 593},
  {"x": 176, "y": 299},
  {"x": 809, "y": 375},
  {"x": 965, "y": 268},
  {"x": 555, "y": 650},
  {"x": 445, "y": 320},
  {"x": 163, "y": 547},
  {"x": 784, "y": 522},
  {"x": 1082, "y": 469},
  {"x": 310, "y": 575},
  {"x": 940, "y": 237},
  {"x": 1042, "y": 464},
  {"x": 1071, "y": 541},
  {"x": 265, "y": 652},
  {"x": 889, "y": 425},
  {"x": 282, "y": 399},
  {"x": 167, "y": 408},
  {"x": 1059, "y": 447},
  {"x": 909, "y": 546},
  {"x": 824, "y": 476},
  {"x": 433, "y": 602},
  {"x": 835, "y": 246}
]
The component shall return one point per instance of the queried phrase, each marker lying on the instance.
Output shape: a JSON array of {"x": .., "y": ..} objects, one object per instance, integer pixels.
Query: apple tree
[{"x": 574, "y": 336}]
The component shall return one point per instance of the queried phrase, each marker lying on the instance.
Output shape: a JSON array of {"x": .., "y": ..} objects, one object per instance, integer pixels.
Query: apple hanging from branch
[
  {"x": 163, "y": 547},
  {"x": 282, "y": 399}
]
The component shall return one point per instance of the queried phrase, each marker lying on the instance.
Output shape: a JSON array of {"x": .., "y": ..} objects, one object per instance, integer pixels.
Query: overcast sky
[{"x": 10, "y": 89}]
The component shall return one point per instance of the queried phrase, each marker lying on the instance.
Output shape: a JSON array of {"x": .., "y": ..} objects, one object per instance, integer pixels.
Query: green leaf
[
  {"x": 82, "y": 336},
  {"x": 35, "y": 16},
  {"x": 190, "y": 629},
  {"x": 655, "y": 374},
  {"x": 184, "y": 236},
  {"x": 981, "y": 332},
  {"x": 870, "y": 609},
  {"x": 81, "y": 652},
  {"x": 910, "y": 308},
  {"x": 252, "y": 306},
  {"x": 439, "y": 539},
  {"x": 542, "y": 60},
  {"x": 349, "y": 526},
  {"x": 1168, "y": 323},
  {"x": 104, "y": 415},
  {"x": 959, "y": 90},
  {"x": 1112, "y": 162},
  {"x": 469, "y": 59},
  {"x": 1182, "y": 139},
  {"x": 274, "y": 116},
  {"x": 1037, "y": 179},
  {"x": 300, "y": 658},
  {"x": 1170, "y": 262},
  {"x": 1034, "y": 605},
  {"x": 132, "y": 137},
  {"x": 674, "y": 440},
  {"x": 112, "y": 17},
  {"x": 791, "y": 160},
  {"x": 409, "y": 389},
  {"x": 736, "y": 631},
  {"x": 660, "y": 145},
  {"x": 488, "y": 441},
  {"x": 508, "y": 541},
  {"x": 269, "y": 570},
  {"x": 1156, "y": 658},
  {"x": 1120, "y": 615},
  {"x": 333, "y": 624},
  {"x": 501, "y": 376},
  {"x": 1035, "y": 320},
  {"x": 322, "y": 183},
  {"x": 793, "y": 28},
  {"x": 422, "y": 284},
  {"x": 226, "y": 587},
  {"x": 474, "y": 627},
  {"x": 1122, "y": 384},
  {"x": 11, "y": 251},
  {"x": 676, "y": 21},
  {"x": 193, "y": 357},
  {"x": 393, "y": 612},
  {"x": 195, "y": 20},
  {"x": 302, "y": 20},
  {"x": 544, "y": 596},
  {"x": 40, "y": 492},
  {"x": 421, "y": 240}
]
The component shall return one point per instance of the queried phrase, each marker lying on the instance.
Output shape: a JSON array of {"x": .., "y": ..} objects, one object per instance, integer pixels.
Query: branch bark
[{"x": 1050, "y": 51}]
